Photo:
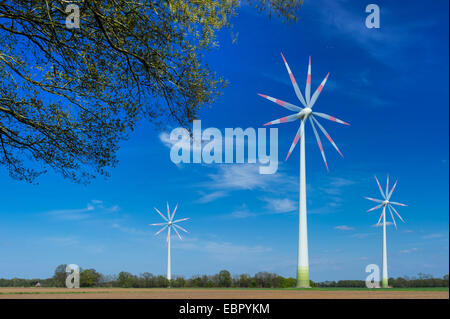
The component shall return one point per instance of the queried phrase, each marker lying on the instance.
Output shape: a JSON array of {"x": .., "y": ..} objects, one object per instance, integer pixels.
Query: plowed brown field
[{"x": 173, "y": 293}]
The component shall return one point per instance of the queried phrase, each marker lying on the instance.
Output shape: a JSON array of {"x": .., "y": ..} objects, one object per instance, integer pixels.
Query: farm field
[{"x": 211, "y": 293}]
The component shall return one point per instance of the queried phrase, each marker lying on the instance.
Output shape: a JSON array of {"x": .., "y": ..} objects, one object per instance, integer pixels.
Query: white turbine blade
[
  {"x": 180, "y": 220},
  {"x": 161, "y": 214},
  {"x": 317, "y": 92},
  {"x": 329, "y": 117},
  {"x": 158, "y": 224},
  {"x": 319, "y": 143},
  {"x": 296, "y": 138},
  {"x": 174, "y": 211},
  {"x": 181, "y": 228},
  {"x": 168, "y": 210},
  {"x": 379, "y": 187},
  {"x": 379, "y": 220},
  {"x": 327, "y": 135},
  {"x": 294, "y": 83},
  {"x": 387, "y": 186},
  {"x": 392, "y": 190},
  {"x": 308, "y": 83},
  {"x": 284, "y": 104},
  {"x": 285, "y": 119},
  {"x": 176, "y": 231},
  {"x": 374, "y": 200},
  {"x": 395, "y": 211},
  {"x": 392, "y": 216},
  {"x": 376, "y": 207},
  {"x": 399, "y": 204},
  {"x": 160, "y": 230}
]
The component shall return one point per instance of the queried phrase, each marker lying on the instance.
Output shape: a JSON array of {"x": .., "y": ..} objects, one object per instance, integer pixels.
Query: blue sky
[{"x": 390, "y": 83}]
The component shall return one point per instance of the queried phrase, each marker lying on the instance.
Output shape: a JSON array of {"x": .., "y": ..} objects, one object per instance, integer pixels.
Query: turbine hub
[
  {"x": 308, "y": 111},
  {"x": 385, "y": 203},
  {"x": 305, "y": 112}
]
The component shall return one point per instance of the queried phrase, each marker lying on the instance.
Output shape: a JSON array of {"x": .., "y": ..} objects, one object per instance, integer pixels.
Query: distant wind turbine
[
  {"x": 385, "y": 202},
  {"x": 303, "y": 114},
  {"x": 169, "y": 223}
]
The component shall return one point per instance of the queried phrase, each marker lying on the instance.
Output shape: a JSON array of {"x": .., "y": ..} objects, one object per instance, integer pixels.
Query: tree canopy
[
  {"x": 68, "y": 96},
  {"x": 92, "y": 278}
]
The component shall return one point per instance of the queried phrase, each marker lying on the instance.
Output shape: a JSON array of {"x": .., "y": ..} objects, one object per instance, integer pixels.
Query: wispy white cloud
[
  {"x": 434, "y": 236},
  {"x": 130, "y": 230},
  {"x": 330, "y": 200},
  {"x": 328, "y": 251},
  {"x": 328, "y": 207},
  {"x": 82, "y": 213},
  {"x": 341, "y": 19},
  {"x": 247, "y": 177},
  {"x": 210, "y": 197},
  {"x": 273, "y": 206},
  {"x": 72, "y": 214},
  {"x": 242, "y": 212},
  {"x": 344, "y": 227},
  {"x": 280, "y": 205},
  {"x": 409, "y": 251},
  {"x": 336, "y": 185},
  {"x": 381, "y": 224},
  {"x": 364, "y": 258},
  {"x": 361, "y": 235}
]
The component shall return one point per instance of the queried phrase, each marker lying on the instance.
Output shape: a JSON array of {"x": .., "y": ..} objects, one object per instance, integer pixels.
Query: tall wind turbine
[
  {"x": 304, "y": 114},
  {"x": 383, "y": 203},
  {"x": 169, "y": 223}
]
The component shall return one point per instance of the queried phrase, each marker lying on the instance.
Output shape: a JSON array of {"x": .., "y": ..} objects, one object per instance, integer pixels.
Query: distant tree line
[{"x": 92, "y": 278}]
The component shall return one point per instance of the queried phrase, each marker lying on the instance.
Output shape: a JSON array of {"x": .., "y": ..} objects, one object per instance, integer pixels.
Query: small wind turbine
[
  {"x": 304, "y": 114},
  {"x": 385, "y": 202},
  {"x": 169, "y": 223}
]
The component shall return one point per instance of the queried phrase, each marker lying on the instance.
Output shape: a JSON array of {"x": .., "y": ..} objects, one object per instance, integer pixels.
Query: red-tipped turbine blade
[
  {"x": 330, "y": 118},
  {"x": 160, "y": 230},
  {"x": 298, "y": 135},
  {"x": 374, "y": 200},
  {"x": 395, "y": 211},
  {"x": 392, "y": 216},
  {"x": 181, "y": 228},
  {"x": 284, "y": 104},
  {"x": 376, "y": 207},
  {"x": 177, "y": 233},
  {"x": 285, "y": 119},
  {"x": 168, "y": 210},
  {"x": 327, "y": 135},
  {"x": 392, "y": 190},
  {"x": 308, "y": 83},
  {"x": 319, "y": 143},
  {"x": 161, "y": 214},
  {"x": 379, "y": 187},
  {"x": 379, "y": 220},
  {"x": 317, "y": 92},
  {"x": 399, "y": 204},
  {"x": 158, "y": 224},
  {"x": 294, "y": 83},
  {"x": 387, "y": 185},
  {"x": 180, "y": 220},
  {"x": 174, "y": 211}
]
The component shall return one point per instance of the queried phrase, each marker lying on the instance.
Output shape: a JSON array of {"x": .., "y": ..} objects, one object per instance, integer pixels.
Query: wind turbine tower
[
  {"x": 169, "y": 224},
  {"x": 303, "y": 114}
]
